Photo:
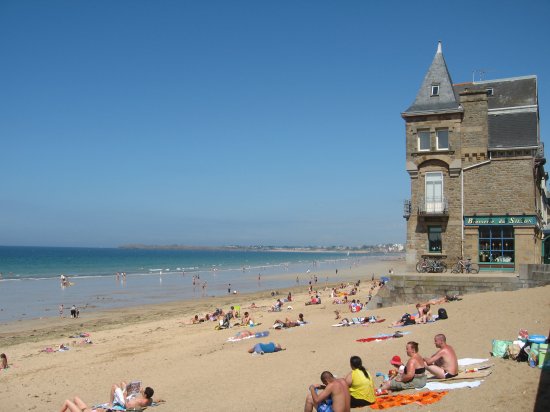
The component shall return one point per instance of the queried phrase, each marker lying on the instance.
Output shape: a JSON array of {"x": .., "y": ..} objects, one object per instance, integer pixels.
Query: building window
[
  {"x": 442, "y": 139},
  {"x": 423, "y": 140},
  {"x": 496, "y": 247},
  {"x": 490, "y": 91},
  {"x": 434, "y": 239},
  {"x": 434, "y": 193},
  {"x": 435, "y": 90}
]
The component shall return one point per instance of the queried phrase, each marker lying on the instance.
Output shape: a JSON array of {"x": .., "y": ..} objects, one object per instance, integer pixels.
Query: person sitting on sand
[
  {"x": 444, "y": 363},
  {"x": 247, "y": 319},
  {"x": 333, "y": 397},
  {"x": 424, "y": 315},
  {"x": 277, "y": 306},
  {"x": 120, "y": 397},
  {"x": 3, "y": 361},
  {"x": 414, "y": 374},
  {"x": 253, "y": 306},
  {"x": 315, "y": 300},
  {"x": 360, "y": 383},
  {"x": 262, "y": 348}
]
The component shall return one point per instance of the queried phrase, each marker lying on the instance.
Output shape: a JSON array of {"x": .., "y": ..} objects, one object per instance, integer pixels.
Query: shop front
[{"x": 501, "y": 239}]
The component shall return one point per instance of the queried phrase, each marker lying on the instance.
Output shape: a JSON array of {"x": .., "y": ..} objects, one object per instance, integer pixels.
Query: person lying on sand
[
  {"x": 288, "y": 323},
  {"x": 332, "y": 395},
  {"x": 76, "y": 405},
  {"x": 444, "y": 363},
  {"x": 315, "y": 300},
  {"x": 120, "y": 397},
  {"x": 414, "y": 374},
  {"x": 262, "y": 348}
]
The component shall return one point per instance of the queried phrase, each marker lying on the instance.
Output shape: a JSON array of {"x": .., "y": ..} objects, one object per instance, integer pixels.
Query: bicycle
[
  {"x": 431, "y": 265},
  {"x": 465, "y": 266}
]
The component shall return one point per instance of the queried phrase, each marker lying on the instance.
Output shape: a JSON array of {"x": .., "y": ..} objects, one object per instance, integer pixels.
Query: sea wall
[{"x": 413, "y": 288}]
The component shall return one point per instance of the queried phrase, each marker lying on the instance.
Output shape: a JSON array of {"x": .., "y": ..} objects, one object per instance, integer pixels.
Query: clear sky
[{"x": 231, "y": 122}]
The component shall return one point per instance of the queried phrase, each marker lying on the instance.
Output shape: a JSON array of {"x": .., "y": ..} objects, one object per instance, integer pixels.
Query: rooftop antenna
[{"x": 481, "y": 73}]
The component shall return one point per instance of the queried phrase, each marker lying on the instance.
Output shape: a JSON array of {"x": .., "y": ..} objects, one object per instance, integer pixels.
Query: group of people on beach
[{"x": 357, "y": 388}]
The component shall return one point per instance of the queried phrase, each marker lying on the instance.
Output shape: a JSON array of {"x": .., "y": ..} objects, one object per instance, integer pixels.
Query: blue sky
[{"x": 230, "y": 122}]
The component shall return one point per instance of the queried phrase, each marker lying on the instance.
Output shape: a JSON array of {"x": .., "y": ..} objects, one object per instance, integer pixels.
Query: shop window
[
  {"x": 434, "y": 239},
  {"x": 497, "y": 247}
]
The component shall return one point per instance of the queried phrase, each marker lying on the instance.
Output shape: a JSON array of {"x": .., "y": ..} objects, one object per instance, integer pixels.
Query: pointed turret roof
[{"x": 444, "y": 100}]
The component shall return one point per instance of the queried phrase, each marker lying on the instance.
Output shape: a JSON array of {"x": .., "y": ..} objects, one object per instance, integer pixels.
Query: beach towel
[
  {"x": 257, "y": 335},
  {"x": 470, "y": 361},
  {"x": 423, "y": 398},
  {"x": 440, "y": 386},
  {"x": 382, "y": 337}
]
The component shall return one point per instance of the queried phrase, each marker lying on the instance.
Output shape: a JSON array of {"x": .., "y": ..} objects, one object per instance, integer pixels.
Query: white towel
[
  {"x": 440, "y": 386},
  {"x": 470, "y": 361}
]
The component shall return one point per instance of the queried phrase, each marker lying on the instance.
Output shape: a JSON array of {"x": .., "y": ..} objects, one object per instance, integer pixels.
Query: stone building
[{"x": 476, "y": 164}]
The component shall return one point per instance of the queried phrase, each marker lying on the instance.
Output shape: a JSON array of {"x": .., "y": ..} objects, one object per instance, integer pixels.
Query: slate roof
[
  {"x": 446, "y": 101},
  {"x": 512, "y": 92},
  {"x": 513, "y": 111},
  {"x": 513, "y": 130}
]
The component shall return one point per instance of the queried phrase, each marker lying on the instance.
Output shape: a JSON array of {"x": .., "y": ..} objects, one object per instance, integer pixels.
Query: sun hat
[{"x": 396, "y": 360}]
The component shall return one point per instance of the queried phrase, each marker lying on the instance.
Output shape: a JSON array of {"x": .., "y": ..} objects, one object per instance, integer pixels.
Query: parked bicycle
[
  {"x": 428, "y": 265},
  {"x": 465, "y": 266}
]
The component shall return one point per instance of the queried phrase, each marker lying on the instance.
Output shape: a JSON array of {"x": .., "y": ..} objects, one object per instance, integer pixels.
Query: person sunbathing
[
  {"x": 315, "y": 300},
  {"x": 262, "y": 348},
  {"x": 119, "y": 396},
  {"x": 333, "y": 397},
  {"x": 288, "y": 323},
  {"x": 76, "y": 405},
  {"x": 424, "y": 315},
  {"x": 443, "y": 364},
  {"x": 414, "y": 374}
]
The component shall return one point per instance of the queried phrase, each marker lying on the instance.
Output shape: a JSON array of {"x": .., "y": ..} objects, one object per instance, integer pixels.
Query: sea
[{"x": 30, "y": 285}]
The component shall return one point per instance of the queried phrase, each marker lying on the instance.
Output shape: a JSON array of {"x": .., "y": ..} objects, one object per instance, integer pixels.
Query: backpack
[
  {"x": 442, "y": 314},
  {"x": 407, "y": 320}
]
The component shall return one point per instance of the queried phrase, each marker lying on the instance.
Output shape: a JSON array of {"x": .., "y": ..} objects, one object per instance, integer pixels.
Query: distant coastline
[{"x": 386, "y": 248}]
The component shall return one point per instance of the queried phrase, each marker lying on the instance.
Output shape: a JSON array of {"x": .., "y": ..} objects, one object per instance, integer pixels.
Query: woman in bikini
[{"x": 414, "y": 375}]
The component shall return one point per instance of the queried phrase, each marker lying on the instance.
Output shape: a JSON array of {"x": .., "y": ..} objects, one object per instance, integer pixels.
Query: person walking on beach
[
  {"x": 334, "y": 395},
  {"x": 204, "y": 288},
  {"x": 444, "y": 363},
  {"x": 61, "y": 308},
  {"x": 229, "y": 288}
]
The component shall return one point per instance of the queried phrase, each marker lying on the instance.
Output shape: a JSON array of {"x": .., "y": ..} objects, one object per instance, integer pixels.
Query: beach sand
[{"x": 193, "y": 367}]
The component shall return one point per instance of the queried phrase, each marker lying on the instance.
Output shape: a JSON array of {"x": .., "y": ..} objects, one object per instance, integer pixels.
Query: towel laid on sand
[
  {"x": 470, "y": 361},
  {"x": 423, "y": 398},
  {"x": 440, "y": 386}
]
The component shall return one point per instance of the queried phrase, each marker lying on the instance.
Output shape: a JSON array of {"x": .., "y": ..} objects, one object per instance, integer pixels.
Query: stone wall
[{"x": 410, "y": 289}]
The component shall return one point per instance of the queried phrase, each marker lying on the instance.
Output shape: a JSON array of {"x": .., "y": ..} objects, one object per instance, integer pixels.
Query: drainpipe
[{"x": 462, "y": 198}]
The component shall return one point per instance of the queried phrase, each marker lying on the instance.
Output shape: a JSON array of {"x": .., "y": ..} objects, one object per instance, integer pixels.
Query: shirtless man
[
  {"x": 335, "y": 391},
  {"x": 443, "y": 364},
  {"x": 120, "y": 397}
]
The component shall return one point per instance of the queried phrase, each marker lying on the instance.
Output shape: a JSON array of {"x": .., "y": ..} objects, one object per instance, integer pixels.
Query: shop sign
[{"x": 500, "y": 220}]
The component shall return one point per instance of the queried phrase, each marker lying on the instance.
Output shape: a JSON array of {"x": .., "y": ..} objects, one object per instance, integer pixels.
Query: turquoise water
[{"x": 30, "y": 285}]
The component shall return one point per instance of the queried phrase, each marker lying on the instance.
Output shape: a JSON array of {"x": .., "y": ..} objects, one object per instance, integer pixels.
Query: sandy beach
[{"x": 193, "y": 367}]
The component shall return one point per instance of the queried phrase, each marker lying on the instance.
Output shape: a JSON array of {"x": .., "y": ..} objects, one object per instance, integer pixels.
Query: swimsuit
[{"x": 449, "y": 375}]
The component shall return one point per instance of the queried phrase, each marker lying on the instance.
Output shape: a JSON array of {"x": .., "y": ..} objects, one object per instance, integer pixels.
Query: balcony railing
[{"x": 433, "y": 206}]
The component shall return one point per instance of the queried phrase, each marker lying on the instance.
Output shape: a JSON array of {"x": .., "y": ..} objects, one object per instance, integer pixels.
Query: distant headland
[{"x": 381, "y": 248}]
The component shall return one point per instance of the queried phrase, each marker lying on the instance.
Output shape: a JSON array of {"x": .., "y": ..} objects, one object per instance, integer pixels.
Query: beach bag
[
  {"x": 407, "y": 320},
  {"x": 442, "y": 314},
  {"x": 500, "y": 347}
]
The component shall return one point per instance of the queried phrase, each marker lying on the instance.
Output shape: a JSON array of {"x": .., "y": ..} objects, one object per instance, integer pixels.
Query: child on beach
[{"x": 3, "y": 361}]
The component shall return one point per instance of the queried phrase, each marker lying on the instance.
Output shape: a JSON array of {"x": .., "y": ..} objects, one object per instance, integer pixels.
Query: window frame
[
  {"x": 431, "y": 231},
  {"x": 437, "y": 138},
  {"x": 435, "y": 87},
  {"x": 419, "y": 146}
]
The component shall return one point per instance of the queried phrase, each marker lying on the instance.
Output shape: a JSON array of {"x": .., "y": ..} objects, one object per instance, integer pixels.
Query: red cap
[{"x": 396, "y": 360}]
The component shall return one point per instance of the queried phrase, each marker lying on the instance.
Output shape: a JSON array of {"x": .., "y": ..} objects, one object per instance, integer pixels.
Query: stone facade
[{"x": 481, "y": 172}]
